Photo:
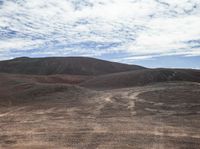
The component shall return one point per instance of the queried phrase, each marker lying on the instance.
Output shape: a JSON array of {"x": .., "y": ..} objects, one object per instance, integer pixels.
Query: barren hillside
[
  {"x": 90, "y": 107},
  {"x": 142, "y": 77},
  {"x": 63, "y": 65}
]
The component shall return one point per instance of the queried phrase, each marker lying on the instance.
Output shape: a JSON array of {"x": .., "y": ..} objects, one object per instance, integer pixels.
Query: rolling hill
[
  {"x": 142, "y": 77},
  {"x": 23, "y": 89},
  {"x": 63, "y": 65}
]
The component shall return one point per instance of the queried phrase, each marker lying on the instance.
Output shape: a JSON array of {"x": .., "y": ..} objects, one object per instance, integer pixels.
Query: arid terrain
[{"x": 125, "y": 107}]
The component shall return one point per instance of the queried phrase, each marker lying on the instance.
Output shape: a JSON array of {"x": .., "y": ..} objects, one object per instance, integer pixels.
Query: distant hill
[
  {"x": 142, "y": 77},
  {"x": 63, "y": 65}
]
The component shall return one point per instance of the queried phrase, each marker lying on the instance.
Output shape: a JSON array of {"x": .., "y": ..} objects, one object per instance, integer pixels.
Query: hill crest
[{"x": 63, "y": 65}]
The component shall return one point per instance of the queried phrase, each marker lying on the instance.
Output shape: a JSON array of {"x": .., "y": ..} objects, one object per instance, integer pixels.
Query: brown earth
[
  {"x": 144, "y": 109},
  {"x": 41, "y": 115}
]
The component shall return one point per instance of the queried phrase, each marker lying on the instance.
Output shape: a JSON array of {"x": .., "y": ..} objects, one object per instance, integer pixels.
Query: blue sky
[{"x": 153, "y": 33}]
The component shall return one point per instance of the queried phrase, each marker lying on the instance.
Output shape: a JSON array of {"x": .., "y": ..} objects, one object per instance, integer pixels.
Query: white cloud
[
  {"x": 143, "y": 28},
  {"x": 15, "y": 44}
]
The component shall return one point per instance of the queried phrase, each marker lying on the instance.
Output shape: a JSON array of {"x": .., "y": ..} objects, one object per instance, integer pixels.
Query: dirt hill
[
  {"x": 142, "y": 77},
  {"x": 63, "y": 65}
]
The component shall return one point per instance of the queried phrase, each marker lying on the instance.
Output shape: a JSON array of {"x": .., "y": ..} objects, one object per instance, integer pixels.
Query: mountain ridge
[{"x": 63, "y": 65}]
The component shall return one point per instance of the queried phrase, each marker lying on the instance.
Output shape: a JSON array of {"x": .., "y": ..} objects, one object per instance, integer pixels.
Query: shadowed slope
[
  {"x": 63, "y": 65},
  {"x": 23, "y": 89},
  {"x": 142, "y": 77},
  {"x": 59, "y": 78}
]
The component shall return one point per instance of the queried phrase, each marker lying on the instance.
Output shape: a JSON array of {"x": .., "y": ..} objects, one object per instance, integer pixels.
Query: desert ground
[{"x": 62, "y": 114}]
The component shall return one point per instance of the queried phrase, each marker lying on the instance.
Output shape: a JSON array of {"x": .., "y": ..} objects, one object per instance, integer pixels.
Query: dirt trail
[{"x": 118, "y": 118}]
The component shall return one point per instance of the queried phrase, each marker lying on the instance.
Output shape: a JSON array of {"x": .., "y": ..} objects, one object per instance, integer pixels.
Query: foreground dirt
[{"x": 159, "y": 116}]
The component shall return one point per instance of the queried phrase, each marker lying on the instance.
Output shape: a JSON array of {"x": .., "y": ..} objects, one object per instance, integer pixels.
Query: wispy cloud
[{"x": 139, "y": 29}]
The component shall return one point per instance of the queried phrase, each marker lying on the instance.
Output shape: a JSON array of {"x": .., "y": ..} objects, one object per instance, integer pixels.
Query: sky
[{"x": 152, "y": 33}]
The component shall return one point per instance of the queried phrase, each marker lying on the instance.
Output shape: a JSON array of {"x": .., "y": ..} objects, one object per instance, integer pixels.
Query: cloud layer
[{"x": 119, "y": 29}]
